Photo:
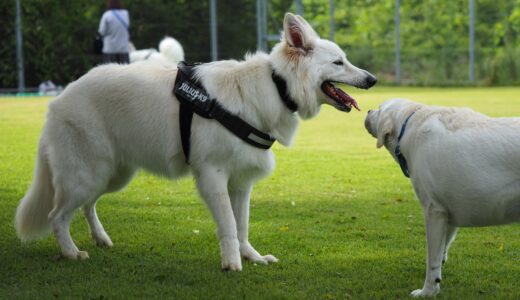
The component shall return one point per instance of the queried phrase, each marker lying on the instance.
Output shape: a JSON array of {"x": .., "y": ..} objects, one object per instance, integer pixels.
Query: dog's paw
[
  {"x": 230, "y": 255},
  {"x": 231, "y": 263},
  {"x": 104, "y": 241},
  {"x": 249, "y": 253},
  {"x": 235, "y": 266},
  {"x": 425, "y": 292},
  {"x": 262, "y": 259},
  {"x": 81, "y": 255}
]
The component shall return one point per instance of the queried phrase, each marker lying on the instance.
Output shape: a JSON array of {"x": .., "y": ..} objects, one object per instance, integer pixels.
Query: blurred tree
[{"x": 434, "y": 35}]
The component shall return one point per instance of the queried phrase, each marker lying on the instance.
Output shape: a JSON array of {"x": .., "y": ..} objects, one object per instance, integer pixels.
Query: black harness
[
  {"x": 194, "y": 98},
  {"x": 400, "y": 157}
]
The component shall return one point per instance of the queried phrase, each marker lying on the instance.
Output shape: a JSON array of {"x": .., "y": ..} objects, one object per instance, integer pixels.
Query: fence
[
  {"x": 426, "y": 42},
  {"x": 434, "y": 40}
]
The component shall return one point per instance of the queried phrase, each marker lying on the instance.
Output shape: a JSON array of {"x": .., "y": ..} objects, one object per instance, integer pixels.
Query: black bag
[{"x": 97, "y": 45}]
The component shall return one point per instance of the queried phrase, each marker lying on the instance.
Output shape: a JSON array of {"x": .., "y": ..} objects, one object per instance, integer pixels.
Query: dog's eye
[{"x": 338, "y": 62}]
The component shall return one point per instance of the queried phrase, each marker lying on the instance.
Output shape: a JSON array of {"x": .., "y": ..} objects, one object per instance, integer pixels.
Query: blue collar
[{"x": 400, "y": 157}]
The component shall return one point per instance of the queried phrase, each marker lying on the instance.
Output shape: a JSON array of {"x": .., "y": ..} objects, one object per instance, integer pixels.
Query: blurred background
[{"x": 403, "y": 42}]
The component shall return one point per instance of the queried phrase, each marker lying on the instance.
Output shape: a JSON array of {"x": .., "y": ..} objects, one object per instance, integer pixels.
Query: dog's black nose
[{"x": 371, "y": 80}]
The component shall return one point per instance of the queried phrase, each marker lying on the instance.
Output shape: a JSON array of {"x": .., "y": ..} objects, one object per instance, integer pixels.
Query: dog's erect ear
[
  {"x": 298, "y": 33},
  {"x": 384, "y": 128},
  {"x": 308, "y": 28}
]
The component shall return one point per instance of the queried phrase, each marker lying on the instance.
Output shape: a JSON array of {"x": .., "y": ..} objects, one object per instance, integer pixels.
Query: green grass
[{"x": 337, "y": 212}]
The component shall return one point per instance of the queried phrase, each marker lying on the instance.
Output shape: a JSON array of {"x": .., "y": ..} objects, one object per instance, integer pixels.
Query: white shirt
[{"x": 115, "y": 34}]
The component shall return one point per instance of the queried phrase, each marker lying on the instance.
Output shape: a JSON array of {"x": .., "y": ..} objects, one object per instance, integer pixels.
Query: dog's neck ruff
[
  {"x": 281, "y": 86},
  {"x": 194, "y": 98},
  {"x": 400, "y": 157}
]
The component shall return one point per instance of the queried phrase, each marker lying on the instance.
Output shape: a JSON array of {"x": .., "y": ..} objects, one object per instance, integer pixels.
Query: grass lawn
[{"x": 337, "y": 212}]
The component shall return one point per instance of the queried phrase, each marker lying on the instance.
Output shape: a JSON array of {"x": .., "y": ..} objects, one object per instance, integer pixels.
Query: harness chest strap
[{"x": 194, "y": 98}]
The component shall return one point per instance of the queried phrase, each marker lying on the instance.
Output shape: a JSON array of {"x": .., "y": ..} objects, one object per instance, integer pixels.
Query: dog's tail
[
  {"x": 171, "y": 49},
  {"x": 31, "y": 219}
]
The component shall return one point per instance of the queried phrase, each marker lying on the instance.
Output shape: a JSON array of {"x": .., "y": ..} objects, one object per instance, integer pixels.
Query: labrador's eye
[{"x": 338, "y": 62}]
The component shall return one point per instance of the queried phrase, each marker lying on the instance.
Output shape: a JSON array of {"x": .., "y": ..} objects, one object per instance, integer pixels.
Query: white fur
[
  {"x": 116, "y": 119},
  {"x": 464, "y": 167},
  {"x": 170, "y": 50}
]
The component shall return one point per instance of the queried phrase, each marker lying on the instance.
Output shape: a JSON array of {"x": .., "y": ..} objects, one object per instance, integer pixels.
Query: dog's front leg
[
  {"x": 240, "y": 199},
  {"x": 436, "y": 227},
  {"x": 212, "y": 185}
]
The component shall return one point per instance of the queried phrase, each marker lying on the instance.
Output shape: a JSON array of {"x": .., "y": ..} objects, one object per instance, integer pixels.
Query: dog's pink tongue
[{"x": 346, "y": 97}]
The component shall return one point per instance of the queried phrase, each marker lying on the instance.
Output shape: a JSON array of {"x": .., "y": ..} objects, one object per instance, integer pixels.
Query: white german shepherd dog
[{"x": 116, "y": 119}]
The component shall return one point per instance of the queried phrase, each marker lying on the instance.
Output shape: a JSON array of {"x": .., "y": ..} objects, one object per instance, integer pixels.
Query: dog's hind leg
[
  {"x": 99, "y": 235},
  {"x": 451, "y": 232},
  {"x": 240, "y": 199},
  {"x": 75, "y": 190},
  {"x": 60, "y": 218},
  {"x": 97, "y": 231},
  {"x": 212, "y": 186},
  {"x": 436, "y": 228}
]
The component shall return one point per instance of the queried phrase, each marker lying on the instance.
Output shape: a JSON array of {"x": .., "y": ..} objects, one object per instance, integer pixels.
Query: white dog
[
  {"x": 116, "y": 119},
  {"x": 464, "y": 167},
  {"x": 170, "y": 50}
]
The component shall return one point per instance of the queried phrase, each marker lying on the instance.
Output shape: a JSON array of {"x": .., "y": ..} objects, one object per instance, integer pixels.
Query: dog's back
[
  {"x": 116, "y": 108},
  {"x": 472, "y": 161}
]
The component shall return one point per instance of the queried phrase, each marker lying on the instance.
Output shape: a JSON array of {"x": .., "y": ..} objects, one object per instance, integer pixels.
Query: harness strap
[
  {"x": 185, "y": 118},
  {"x": 240, "y": 128},
  {"x": 194, "y": 98}
]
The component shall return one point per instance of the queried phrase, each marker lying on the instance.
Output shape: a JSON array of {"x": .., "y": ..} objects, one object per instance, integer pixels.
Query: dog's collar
[
  {"x": 400, "y": 157},
  {"x": 281, "y": 86}
]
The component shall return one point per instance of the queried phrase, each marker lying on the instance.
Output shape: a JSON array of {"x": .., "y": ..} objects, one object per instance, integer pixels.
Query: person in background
[{"x": 114, "y": 27}]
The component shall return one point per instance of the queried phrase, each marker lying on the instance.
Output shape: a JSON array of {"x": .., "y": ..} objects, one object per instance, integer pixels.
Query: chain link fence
[{"x": 434, "y": 39}]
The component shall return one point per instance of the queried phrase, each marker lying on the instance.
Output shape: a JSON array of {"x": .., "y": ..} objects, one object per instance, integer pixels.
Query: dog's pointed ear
[
  {"x": 308, "y": 28},
  {"x": 384, "y": 129},
  {"x": 298, "y": 33}
]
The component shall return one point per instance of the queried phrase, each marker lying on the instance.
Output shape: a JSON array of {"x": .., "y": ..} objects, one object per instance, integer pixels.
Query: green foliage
[
  {"x": 337, "y": 212},
  {"x": 58, "y": 35},
  {"x": 434, "y": 36},
  {"x": 8, "y": 45}
]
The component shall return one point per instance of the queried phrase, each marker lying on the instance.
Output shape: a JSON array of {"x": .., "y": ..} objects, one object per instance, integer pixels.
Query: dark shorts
[{"x": 120, "y": 58}]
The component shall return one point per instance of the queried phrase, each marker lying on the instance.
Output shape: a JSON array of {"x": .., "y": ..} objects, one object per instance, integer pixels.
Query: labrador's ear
[{"x": 384, "y": 128}]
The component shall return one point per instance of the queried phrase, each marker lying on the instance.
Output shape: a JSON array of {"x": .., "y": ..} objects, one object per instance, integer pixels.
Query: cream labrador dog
[{"x": 464, "y": 167}]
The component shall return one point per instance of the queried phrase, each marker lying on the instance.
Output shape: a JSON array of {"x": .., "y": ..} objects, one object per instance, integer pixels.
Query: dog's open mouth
[{"x": 342, "y": 100}]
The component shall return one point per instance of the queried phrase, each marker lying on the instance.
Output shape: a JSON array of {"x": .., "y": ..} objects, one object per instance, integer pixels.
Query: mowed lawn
[{"x": 337, "y": 212}]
